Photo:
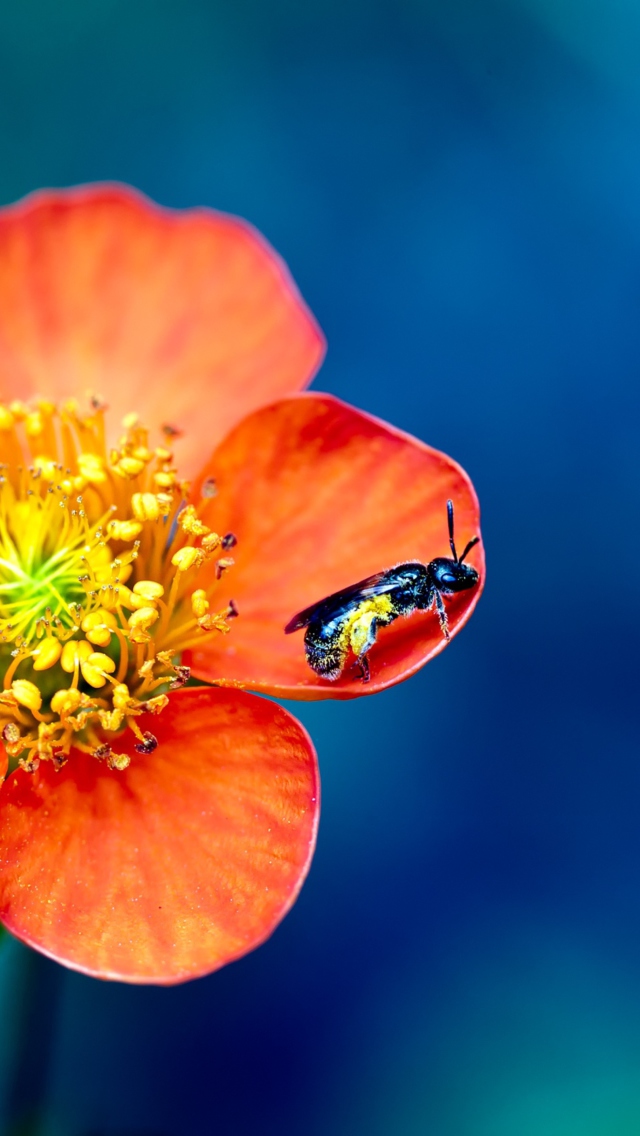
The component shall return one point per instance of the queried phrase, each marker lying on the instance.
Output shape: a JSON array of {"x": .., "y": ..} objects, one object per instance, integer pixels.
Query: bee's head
[{"x": 452, "y": 575}]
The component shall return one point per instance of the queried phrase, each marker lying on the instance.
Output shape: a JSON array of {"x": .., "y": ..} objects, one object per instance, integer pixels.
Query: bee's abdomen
[{"x": 326, "y": 647}]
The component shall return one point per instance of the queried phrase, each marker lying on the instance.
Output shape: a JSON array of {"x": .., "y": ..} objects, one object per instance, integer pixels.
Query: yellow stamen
[{"x": 99, "y": 554}]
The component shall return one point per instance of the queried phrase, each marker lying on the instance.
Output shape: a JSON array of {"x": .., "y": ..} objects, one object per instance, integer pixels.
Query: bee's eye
[{"x": 447, "y": 578}]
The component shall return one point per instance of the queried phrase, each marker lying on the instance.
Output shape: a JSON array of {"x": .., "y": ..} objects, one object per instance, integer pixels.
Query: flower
[{"x": 150, "y": 830}]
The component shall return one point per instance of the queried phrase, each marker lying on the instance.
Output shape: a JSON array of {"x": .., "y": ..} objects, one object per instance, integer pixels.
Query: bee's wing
[{"x": 375, "y": 585}]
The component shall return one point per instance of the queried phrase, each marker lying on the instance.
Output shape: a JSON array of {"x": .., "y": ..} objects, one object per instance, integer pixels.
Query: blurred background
[{"x": 456, "y": 188}]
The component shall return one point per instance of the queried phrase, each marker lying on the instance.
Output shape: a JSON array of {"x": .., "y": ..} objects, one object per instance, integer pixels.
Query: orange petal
[
  {"x": 320, "y": 496},
  {"x": 189, "y": 318},
  {"x": 185, "y": 861}
]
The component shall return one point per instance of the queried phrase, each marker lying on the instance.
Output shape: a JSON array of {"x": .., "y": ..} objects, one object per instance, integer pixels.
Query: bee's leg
[
  {"x": 442, "y": 614},
  {"x": 362, "y": 637}
]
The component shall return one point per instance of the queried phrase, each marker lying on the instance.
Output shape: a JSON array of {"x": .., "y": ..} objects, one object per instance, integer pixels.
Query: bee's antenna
[
  {"x": 450, "y": 520},
  {"x": 468, "y": 548}
]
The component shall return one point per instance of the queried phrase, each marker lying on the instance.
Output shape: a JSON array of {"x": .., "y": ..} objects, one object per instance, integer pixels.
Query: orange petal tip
[{"x": 321, "y": 495}]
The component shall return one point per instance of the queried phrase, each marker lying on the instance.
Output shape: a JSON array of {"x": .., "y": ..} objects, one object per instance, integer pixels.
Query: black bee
[{"x": 351, "y": 618}]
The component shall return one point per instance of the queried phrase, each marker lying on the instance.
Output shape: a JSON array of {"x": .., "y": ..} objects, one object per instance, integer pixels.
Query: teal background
[{"x": 456, "y": 188}]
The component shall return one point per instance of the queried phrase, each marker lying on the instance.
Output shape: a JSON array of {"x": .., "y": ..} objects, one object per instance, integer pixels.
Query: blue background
[{"x": 456, "y": 188}]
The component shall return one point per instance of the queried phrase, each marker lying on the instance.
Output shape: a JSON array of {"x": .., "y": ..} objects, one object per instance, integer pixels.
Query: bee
[{"x": 349, "y": 619}]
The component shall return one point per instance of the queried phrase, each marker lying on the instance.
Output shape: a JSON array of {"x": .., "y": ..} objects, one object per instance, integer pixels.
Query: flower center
[{"x": 99, "y": 559}]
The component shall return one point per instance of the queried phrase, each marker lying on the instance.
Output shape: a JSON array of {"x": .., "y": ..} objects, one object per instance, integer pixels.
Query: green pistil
[{"x": 46, "y": 594}]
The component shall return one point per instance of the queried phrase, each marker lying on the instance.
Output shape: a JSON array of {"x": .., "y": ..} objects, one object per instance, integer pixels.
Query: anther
[
  {"x": 222, "y": 564},
  {"x": 156, "y": 705},
  {"x": 210, "y": 543},
  {"x": 124, "y": 530},
  {"x": 96, "y": 668},
  {"x": 66, "y": 701},
  {"x": 47, "y": 654},
  {"x": 148, "y": 743},
  {"x": 148, "y": 590},
  {"x": 11, "y": 733},
  {"x": 129, "y": 467},
  {"x": 182, "y": 676},
  {"x": 91, "y": 467},
  {"x": 30, "y": 763},
  {"x": 143, "y": 618},
  {"x": 145, "y": 506},
  {"x": 186, "y": 557},
  {"x": 26, "y": 694},
  {"x": 121, "y": 696},
  {"x": 98, "y": 627},
  {"x": 190, "y": 522},
  {"x": 74, "y": 653},
  {"x": 209, "y": 488},
  {"x": 165, "y": 478},
  {"x": 199, "y": 603},
  {"x": 118, "y": 761}
]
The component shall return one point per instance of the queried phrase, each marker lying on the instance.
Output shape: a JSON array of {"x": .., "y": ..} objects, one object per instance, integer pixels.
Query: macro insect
[{"x": 349, "y": 619}]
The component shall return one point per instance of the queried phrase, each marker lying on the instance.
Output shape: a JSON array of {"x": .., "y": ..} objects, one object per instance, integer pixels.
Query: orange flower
[{"x": 151, "y": 831}]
